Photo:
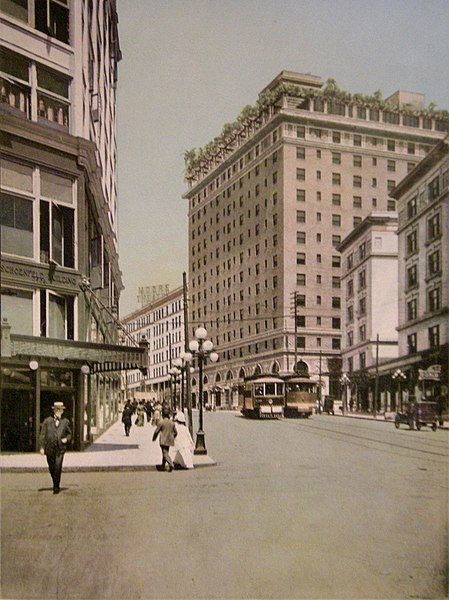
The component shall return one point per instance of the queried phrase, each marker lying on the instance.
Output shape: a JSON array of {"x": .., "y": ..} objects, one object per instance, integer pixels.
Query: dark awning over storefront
[{"x": 99, "y": 357}]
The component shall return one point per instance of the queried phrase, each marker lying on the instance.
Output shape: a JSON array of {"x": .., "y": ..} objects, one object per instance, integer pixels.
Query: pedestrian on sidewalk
[
  {"x": 54, "y": 436},
  {"x": 148, "y": 410},
  {"x": 141, "y": 412},
  {"x": 167, "y": 431},
  {"x": 184, "y": 446},
  {"x": 156, "y": 415},
  {"x": 127, "y": 417}
]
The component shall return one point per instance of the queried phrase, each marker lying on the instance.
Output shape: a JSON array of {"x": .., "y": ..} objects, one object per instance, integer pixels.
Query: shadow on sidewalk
[{"x": 99, "y": 447}]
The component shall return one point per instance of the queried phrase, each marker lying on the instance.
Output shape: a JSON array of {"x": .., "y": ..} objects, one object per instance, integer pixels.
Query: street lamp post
[
  {"x": 344, "y": 380},
  {"x": 399, "y": 376},
  {"x": 174, "y": 378},
  {"x": 203, "y": 349},
  {"x": 183, "y": 363}
]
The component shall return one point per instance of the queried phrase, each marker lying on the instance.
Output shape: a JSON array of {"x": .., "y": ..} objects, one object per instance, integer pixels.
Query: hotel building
[
  {"x": 61, "y": 281},
  {"x": 271, "y": 199}
]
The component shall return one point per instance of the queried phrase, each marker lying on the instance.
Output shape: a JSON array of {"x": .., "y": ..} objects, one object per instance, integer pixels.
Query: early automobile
[{"x": 418, "y": 414}]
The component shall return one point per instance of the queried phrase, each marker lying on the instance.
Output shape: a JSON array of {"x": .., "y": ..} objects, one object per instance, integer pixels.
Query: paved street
[{"x": 324, "y": 508}]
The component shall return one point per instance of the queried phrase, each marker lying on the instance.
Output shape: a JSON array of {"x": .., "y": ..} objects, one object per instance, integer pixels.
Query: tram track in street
[{"x": 353, "y": 437}]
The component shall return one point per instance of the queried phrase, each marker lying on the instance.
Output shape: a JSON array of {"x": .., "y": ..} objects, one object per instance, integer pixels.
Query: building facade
[
  {"x": 369, "y": 304},
  {"x": 161, "y": 325},
  {"x": 61, "y": 280},
  {"x": 271, "y": 199},
  {"x": 423, "y": 205}
]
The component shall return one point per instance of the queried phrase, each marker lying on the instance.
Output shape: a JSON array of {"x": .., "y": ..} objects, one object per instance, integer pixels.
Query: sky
[{"x": 189, "y": 66}]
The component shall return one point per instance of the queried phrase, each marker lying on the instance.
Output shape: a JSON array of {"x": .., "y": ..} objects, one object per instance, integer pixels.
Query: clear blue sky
[{"x": 189, "y": 66}]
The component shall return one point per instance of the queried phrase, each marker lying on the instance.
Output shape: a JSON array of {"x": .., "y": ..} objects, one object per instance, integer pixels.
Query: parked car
[{"x": 418, "y": 414}]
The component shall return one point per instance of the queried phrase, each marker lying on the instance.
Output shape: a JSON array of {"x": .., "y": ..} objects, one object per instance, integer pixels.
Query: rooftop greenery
[{"x": 251, "y": 116}]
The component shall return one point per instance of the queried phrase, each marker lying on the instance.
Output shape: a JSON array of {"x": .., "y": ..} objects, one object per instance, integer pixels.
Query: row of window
[
  {"x": 301, "y": 237},
  {"x": 361, "y": 336},
  {"x": 51, "y": 17},
  {"x": 361, "y": 311},
  {"x": 301, "y": 280},
  {"x": 333, "y": 107},
  {"x": 361, "y": 283},
  {"x": 433, "y": 190},
  {"x": 37, "y": 92},
  {"x": 56, "y": 313},
  {"x": 433, "y": 231},
  {"x": 301, "y": 259},
  {"x": 37, "y": 214},
  {"x": 433, "y": 340},
  {"x": 357, "y": 201},
  {"x": 433, "y": 303},
  {"x": 159, "y": 315},
  {"x": 357, "y": 180},
  {"x": 357, "y": 159}
]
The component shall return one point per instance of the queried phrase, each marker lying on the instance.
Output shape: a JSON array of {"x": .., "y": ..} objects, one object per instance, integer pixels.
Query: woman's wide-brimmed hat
[
  {"x": 180, "y": 417},
  {"x": 58, "y": 405}
]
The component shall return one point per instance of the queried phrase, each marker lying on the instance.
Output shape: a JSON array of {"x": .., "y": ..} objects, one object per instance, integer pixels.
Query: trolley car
[
  {"x": 300, "y": 396},
  {"x": 262, "y": 397}
]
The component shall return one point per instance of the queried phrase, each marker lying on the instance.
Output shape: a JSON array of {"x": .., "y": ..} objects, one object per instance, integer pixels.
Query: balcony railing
[{"x": 17, "y": 97}]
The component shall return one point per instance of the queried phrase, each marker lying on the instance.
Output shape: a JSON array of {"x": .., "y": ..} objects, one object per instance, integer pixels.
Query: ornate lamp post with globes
[
  {"x": 183, "y": 363},
  {"x": 174, "y": 378},
  {"x": 202, "y": 348},
  {"x": 399, "y": 376},
  {"x": 344, "y": 380}
]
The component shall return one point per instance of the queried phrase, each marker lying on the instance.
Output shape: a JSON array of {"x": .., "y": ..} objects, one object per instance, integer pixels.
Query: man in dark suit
[{"x": 54, "y": 436}]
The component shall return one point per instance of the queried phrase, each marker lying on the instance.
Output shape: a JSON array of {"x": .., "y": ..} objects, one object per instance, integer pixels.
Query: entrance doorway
[{"x": 17, "y": 429}]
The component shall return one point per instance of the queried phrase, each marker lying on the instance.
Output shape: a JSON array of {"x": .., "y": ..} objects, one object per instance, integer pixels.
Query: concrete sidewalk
[{"x": 112, "y": 451}]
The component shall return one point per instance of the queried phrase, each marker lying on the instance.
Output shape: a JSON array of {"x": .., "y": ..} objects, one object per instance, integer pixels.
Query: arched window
[{"x": 301, "y": 368}]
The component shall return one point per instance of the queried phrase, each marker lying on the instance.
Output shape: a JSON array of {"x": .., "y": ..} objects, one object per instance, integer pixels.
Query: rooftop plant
[{"x": 198, "y": 159}]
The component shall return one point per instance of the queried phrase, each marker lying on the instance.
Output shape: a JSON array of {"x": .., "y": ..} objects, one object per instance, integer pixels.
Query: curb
[{"x": 99, "y": 469}]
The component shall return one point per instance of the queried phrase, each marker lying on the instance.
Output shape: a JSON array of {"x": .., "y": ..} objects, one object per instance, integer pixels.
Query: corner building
[
  {"x": 270, "y": 200},
  {"x": 60, "y": 277}
]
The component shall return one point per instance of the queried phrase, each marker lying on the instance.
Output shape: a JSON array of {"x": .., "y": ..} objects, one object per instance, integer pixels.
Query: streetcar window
[
  {"x": 270, "y": 389},
  {"x": 259, "y": 391}
]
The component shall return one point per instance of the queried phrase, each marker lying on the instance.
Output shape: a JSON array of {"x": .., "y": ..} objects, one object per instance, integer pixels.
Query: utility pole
[
  {"x": 376, "y": 385},
  {"x": 186, "y": 349},
  {"x": 296, "y": 332},
  {"x": 319, "y": 387}
]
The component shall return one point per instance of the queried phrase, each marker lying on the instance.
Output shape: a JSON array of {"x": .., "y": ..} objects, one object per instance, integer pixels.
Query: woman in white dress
[{"x": 184, "y": 446}]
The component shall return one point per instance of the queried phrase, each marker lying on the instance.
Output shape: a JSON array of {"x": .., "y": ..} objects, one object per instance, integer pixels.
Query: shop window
[{"x": 16, "y": 219}]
